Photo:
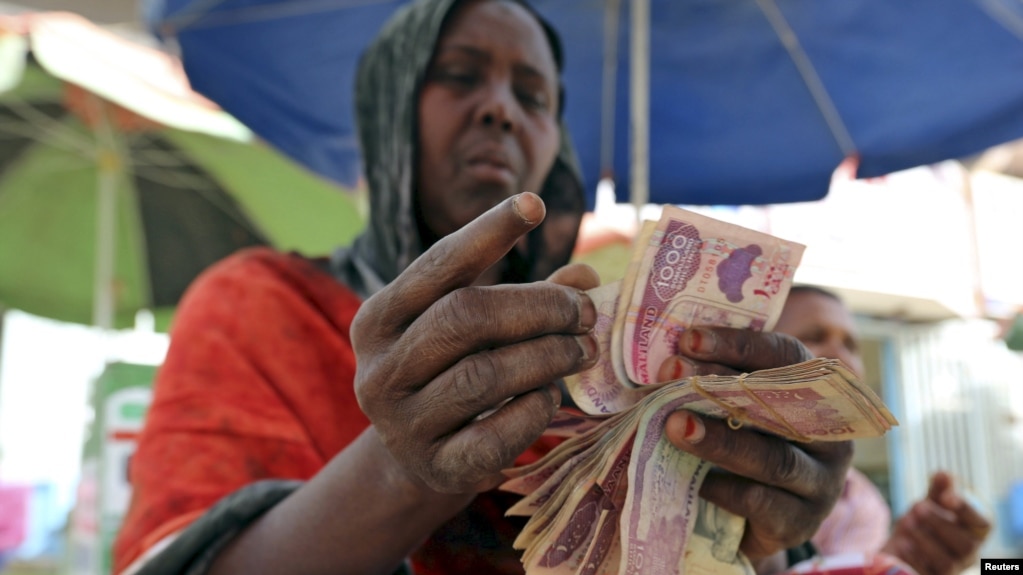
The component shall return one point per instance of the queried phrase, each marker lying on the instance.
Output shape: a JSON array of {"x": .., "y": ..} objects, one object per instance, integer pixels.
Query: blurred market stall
[{"x": 118, "y": 183}]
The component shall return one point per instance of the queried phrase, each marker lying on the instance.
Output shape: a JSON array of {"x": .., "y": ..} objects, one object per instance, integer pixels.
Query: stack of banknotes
[{"x": 616, "y": 496}]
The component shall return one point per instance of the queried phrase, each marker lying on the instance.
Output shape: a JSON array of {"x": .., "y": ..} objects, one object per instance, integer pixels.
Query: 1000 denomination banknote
[{"x": 695, "y": 270}]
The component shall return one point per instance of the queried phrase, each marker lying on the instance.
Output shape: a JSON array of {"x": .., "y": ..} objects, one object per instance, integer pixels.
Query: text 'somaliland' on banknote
[{"x": 615, "y": 496}]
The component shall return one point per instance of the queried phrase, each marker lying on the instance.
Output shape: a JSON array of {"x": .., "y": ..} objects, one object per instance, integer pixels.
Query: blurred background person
[{"x": 940, "y": 534}]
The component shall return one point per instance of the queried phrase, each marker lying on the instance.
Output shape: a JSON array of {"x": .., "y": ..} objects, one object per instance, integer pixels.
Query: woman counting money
[{"x": 327, "y": 415}]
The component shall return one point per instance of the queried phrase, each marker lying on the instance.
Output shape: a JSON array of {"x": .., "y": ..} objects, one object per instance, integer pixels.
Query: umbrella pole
[
  {"x": 108, "y": 161},
  {"x": 639, "y": 105},
  {"x": 609, "y": 102},
  {"x": 103, "y": 301}
]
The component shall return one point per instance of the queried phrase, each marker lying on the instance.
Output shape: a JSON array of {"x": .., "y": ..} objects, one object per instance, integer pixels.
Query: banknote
[
  {"x": 685, "y": 270},
  {"x": 621, "y": 304},
  {"x": 695, "y": 270},
  {"x": 587, "y": 515},
  {"x": 662, "y": 503},
  {"x": 713, "y": 546}
]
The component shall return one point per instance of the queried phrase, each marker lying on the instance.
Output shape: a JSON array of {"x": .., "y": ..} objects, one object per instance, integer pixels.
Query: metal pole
[
  {"x": 609, "y": 98},
  {"x": 108, "y": 163},
  {"x": 639, "y": 78}
]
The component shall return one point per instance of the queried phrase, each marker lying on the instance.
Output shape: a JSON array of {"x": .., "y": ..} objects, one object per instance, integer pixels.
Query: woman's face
[{"x": 488, "y": 126}]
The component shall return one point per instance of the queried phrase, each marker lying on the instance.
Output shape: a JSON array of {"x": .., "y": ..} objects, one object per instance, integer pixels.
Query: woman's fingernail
[
  {"x": 554, "y": 394},
  {"x": 701, "y": 340},
  {"x": 588, "y": 344},
  {"x": 587, "y": 312},
  {"x": 529, "y": 207},
  {"x": 677, "y": 368},
  {"x": 693, "y": 430}
]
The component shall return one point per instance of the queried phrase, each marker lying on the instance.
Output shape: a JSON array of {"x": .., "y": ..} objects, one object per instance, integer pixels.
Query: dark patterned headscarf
[{"x": 386, "y": 101}]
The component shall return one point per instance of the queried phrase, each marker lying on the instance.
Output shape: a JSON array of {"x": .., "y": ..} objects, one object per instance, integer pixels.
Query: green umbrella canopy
[{"x": 118, "y": 185}]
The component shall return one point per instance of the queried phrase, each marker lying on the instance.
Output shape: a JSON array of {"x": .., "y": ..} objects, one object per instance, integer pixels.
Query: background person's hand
[
  {"x": 784, "y": 489},
  {"x": 941, "y": 534},
  {"x": 457, "y": 378}
]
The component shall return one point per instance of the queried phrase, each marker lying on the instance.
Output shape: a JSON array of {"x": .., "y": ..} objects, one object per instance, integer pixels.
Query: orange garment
[{"x": 258, "y": 384}]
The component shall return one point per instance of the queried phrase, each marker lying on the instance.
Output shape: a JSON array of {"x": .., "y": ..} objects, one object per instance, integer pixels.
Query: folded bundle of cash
[
  {"x": 616, "y": 496},
  {"x": 685, "y": 270}
]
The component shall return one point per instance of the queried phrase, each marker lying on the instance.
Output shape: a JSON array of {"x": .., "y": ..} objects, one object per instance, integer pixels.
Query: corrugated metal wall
[{"x": 958, "y": 394}]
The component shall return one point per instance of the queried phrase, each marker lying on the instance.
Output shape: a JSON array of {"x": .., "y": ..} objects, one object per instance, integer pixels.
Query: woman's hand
[
  {"x": 784, "y": 489},
  {"x": 457, "y": 379}
]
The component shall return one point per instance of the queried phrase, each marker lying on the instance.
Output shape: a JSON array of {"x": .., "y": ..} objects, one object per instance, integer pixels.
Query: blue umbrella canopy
[{"x": 750, "y": 101}]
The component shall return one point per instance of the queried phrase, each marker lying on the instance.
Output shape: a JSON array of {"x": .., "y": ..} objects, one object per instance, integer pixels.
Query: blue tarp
[{"x": 733, "y": 118}]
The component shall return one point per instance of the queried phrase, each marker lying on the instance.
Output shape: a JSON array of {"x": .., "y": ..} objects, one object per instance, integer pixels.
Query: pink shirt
[{"x": 860, "y": 521}]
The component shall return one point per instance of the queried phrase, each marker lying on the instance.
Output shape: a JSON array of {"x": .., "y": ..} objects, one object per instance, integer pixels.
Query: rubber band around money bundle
[{"x": 737, "y": 415}]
